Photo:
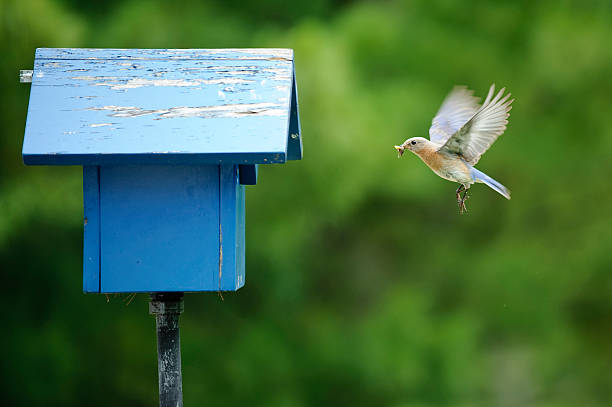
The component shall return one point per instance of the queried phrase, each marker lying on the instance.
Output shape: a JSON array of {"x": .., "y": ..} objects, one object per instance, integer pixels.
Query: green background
[{"x": 364, "y": 285}]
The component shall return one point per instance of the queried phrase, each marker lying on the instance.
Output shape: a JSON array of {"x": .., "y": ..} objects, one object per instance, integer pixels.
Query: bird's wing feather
[
  {"x": 457, "y": 108},
  {"x": 482, "y": 129}
]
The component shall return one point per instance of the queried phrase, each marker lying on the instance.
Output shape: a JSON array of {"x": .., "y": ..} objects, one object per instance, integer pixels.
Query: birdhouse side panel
[
  {"x": 247, "y": 174},
  {"x": 91, "y": 229},
  {"x": 241, "y": 238},
  {"x": 294, "y": 143},
  {"x": 231, "y": 268}
]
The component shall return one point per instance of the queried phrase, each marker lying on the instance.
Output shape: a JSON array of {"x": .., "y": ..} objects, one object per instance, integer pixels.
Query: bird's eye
[{"x": 413, "y": 142}]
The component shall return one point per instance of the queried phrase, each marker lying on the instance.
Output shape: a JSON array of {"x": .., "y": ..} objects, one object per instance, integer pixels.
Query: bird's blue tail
[{"x": 480, "y": 176}]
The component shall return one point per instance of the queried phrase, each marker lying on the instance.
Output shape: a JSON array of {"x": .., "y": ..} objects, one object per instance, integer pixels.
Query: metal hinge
[{"x": 25, "y": 75}]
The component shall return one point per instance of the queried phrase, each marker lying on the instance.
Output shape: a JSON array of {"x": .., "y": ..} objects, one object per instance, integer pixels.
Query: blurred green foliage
[{"x": 364, "y": 285}]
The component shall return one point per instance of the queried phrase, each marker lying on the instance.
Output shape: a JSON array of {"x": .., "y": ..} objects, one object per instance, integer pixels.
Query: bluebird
[{"x": 460, "y": 133}]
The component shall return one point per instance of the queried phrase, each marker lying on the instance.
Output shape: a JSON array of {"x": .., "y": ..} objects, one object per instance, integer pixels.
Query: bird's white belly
[{"x": 455, "y": 174}]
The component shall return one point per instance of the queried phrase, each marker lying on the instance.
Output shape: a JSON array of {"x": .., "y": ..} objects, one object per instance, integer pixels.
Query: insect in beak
[{"x": 400, "y": 151}]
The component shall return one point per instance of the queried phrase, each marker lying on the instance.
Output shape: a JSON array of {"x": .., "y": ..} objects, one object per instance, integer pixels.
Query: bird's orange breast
[
  {"x": 450, "y": 168},
  {"x": 431, "y": 157}
]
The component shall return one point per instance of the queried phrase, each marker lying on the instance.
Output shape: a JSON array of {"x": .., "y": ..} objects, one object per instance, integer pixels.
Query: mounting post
[{"x": 167, "y": 307}]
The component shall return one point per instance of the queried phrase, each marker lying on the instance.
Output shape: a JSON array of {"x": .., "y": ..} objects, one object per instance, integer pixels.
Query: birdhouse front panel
[
  {"x": 167, "y": 140},
  {"x": 163, "y": 228}
]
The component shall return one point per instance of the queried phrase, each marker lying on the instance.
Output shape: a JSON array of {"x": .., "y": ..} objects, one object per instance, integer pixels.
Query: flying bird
[{"x": 460, "y": 133}]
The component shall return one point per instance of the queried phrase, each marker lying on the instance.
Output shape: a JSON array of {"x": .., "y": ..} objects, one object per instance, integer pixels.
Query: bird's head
[{"x": 414, "y": 144}]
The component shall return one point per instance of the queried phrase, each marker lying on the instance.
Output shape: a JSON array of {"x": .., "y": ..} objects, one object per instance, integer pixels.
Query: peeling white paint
[
  {"x": 140, "y": 82},
  {"x": 232, "y": 110},
  {"x": 95, "y": 78},
  {"x": 226, "y": 81},
  {"x": 279, "y": 74},
  {"x": 236, "y": 110},
  {"x": 125, "y": 111},
  {"x": 117, "y": 83},
  {"x": 235, "y": 72}
]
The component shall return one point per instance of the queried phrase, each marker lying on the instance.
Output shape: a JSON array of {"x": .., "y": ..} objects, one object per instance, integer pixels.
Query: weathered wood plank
[{"x": 255, "y": 54}]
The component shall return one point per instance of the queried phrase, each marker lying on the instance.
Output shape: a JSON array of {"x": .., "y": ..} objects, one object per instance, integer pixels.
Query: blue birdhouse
[{"x": 167, "y": 139}]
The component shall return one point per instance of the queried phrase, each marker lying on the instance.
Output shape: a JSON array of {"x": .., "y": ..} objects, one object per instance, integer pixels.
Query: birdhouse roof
[{"x": 162, "y": 106}]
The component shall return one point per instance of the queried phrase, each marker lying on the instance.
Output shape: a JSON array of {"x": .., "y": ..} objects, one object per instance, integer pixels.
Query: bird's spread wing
[
  {"x": 458, "y": 107},
  {"x": 482, "y": 129}
]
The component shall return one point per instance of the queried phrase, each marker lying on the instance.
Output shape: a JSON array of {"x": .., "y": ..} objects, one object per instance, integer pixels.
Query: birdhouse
[{"x": 167, "y": 140}]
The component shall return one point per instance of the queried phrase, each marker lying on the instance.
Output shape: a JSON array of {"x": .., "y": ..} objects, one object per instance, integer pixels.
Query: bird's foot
[{"x": 461, "y": 202}]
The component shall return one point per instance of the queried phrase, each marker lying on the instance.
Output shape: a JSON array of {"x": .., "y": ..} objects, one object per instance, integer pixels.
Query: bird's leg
[
  {"x": 458, "y": 192},
  {"x": 464, "y": 198}
]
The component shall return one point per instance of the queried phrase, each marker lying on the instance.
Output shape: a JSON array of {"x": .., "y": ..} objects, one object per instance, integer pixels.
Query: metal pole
[{"x": 167, "y": 307}]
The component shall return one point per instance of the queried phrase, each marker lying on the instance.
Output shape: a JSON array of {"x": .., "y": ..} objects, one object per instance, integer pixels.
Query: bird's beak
[{"x": 400, "y": 151}]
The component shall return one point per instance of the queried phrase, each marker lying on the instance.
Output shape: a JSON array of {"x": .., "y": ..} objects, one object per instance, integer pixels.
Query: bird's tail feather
[{"x": 480, "y": 176}]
